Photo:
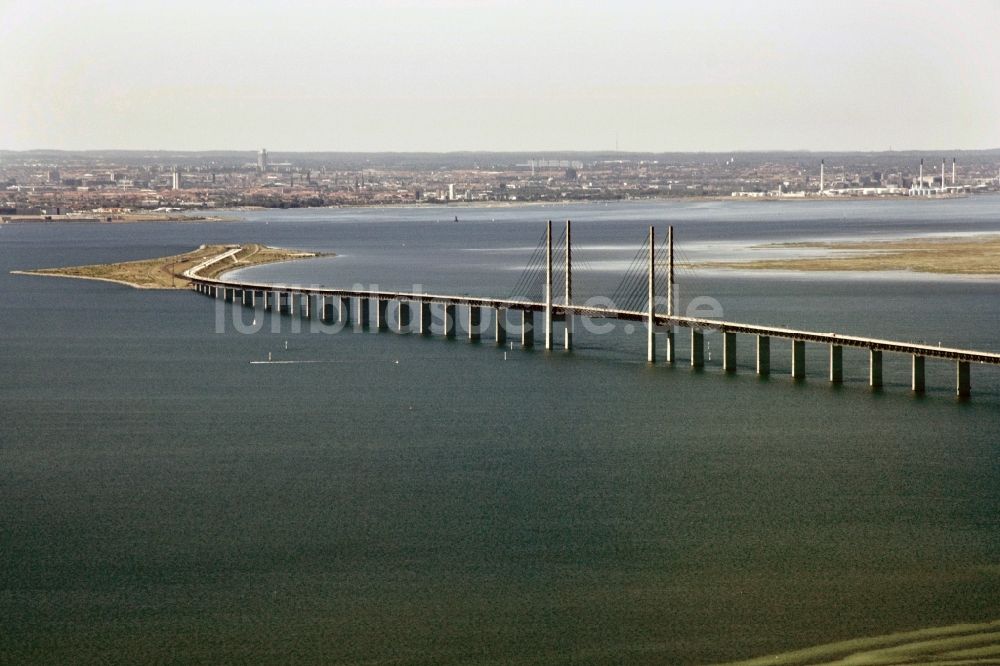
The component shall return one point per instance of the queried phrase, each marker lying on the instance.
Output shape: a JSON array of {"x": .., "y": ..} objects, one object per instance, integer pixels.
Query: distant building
[
  {"x": 177, "y": 181},
  {"x": 262, "y": 160}
]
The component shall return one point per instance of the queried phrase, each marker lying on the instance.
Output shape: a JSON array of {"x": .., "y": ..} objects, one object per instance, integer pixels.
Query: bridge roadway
[{"x": 662, "y": 320}]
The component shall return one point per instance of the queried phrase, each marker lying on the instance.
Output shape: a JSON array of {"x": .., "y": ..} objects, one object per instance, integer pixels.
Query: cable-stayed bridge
[{"x": 543, "y": 296}]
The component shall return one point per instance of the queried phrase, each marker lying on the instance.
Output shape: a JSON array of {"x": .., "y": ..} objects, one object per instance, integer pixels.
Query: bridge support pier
[
  {"x": 568, "y": 332},
  {"x": 306, "y": 306},
  {"x": 527, "y": 329},
  {"x": 763, "y": 355},
  {"x": 697, "y": 348},
  {"x": 963, "y": 387},
  {"x": 500, "y": 327},
  {"x": 381, "y": 307},
  {"x": 917, "y": 381},
  {"x": 875, "y": 368},
  {"x": 403, "y": 325},
  {"x": 326, "y": 309},
  {"x": 475, "y": 315},
  {"x": 267, "y": 300},
  {"x": 836, "y": 364},
  {"x": 425, "y": 318},
  {"x": 283, "y": 299},
  {"x": 671, "y": 345},
  {"x": 344, "y": 309},
  {"x": 798, "y": 359},
  {"x": 450, "y": 320},
  {"x": 364, "y": 315},
  {"x": 728, "y": 351}
]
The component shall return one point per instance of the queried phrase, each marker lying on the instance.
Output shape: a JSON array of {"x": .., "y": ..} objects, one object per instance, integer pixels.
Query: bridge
[{"x": 652, "y": 283}]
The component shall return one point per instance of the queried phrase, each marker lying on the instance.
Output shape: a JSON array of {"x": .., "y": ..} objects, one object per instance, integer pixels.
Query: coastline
[
  {"x": 118, "y": 218},
  {"x": 218, "y": 214},
  {"x": 134, "y": 285},
  {"x": 170, "y": 273}
]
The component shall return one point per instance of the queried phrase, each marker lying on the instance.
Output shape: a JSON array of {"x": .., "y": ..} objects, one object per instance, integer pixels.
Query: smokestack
[
  {"x": 822, "y": 163},
  {"x": 921, "y": 172},
  {"x": 953, "y": 172},
  {"x": 942, "y": 174}
]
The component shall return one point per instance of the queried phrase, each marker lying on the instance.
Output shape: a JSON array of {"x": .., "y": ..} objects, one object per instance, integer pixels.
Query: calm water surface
[{"x": 426, "y": 501}]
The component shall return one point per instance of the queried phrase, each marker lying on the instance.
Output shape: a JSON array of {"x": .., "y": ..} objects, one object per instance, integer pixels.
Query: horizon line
[{"x": 501, "y": 152}]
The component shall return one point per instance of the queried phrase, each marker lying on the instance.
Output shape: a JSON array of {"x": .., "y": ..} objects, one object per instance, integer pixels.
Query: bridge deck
[{"x": 876, "y": 344}]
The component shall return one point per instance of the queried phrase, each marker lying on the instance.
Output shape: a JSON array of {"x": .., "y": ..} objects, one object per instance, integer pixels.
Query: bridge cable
[
  {"x": 626, "y": 294},
  {"x": 533, "y": 275}
]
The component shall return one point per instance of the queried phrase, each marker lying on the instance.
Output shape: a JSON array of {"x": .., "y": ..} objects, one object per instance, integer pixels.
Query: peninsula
[
  {"x": 966, "y": 255},
  {"x": 168, "y": 272}
]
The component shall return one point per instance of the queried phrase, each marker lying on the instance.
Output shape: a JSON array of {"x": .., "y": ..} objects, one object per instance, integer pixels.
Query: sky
[{"x": 446, "y": 75}]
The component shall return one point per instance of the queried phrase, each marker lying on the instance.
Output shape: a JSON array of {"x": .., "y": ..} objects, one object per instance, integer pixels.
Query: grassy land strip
[
  {"x": 972, "y": 255},
  {"x": 167, "y": 272}
]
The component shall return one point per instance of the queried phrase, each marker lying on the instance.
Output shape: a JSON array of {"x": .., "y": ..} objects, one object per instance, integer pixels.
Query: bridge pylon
[
  {"x": 548, "y": 286},
  {"x": 568, "y": 333},
  {"x": 651, "y": 300},
  {"x": 671, "y": 350}
]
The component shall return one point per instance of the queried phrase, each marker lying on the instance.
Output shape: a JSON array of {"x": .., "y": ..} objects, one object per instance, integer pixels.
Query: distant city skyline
[{"x": 446, "y": 75}]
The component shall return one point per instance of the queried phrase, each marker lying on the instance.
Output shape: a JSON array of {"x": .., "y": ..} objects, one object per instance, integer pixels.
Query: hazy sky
[{"x": 449, "y": 75}]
